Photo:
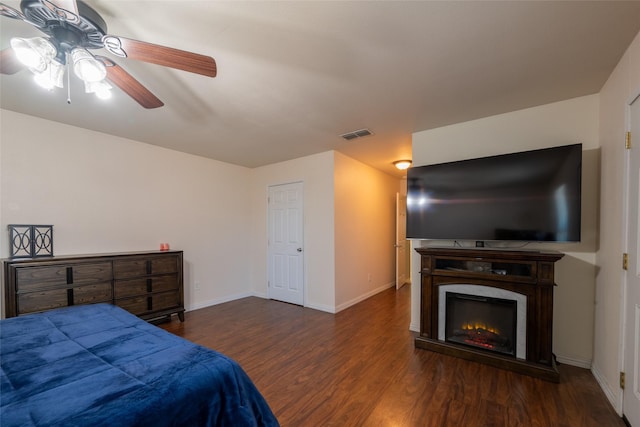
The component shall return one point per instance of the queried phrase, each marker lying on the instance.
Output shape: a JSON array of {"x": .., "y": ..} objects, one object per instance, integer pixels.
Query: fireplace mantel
[{"x": 529, "y": 273}]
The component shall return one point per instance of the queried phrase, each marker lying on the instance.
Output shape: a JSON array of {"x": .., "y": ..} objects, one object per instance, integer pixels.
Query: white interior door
[
  {"x": 401, "y": 240},
  {"x": 286, "y": 250},
  {"x": 631, "y": 400}
]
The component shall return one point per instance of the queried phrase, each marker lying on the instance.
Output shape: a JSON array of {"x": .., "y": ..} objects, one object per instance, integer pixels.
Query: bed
[{"x": 98, "y": 365}]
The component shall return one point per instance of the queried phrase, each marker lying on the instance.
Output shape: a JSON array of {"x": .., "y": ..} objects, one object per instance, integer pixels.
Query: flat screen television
[{"x": 526, "y": 196}]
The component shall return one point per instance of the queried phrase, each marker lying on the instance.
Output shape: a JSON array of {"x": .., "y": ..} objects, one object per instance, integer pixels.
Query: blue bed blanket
[{"x": 98, "y": 365}]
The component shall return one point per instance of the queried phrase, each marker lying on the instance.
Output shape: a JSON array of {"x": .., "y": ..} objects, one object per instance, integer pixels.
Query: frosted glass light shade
[
  {"x": 86, "y": 67},
  {"x": 36, "y": 53},
  {"x": 51, "y": 76},
  {"x": 102, "y": 89}
]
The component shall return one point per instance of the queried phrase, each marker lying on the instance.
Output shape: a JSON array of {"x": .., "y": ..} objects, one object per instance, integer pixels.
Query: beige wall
[
  {"x": 349, "y": 219},
  {"x": 316, "y": 174},
  {"x": 364, "y": 230},
  {"x": 561, "y": 123},
  {"x": 623, "y": 85},
  {"x": 108, "y": 194}
]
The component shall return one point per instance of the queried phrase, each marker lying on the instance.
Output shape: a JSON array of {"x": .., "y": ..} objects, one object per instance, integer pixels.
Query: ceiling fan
[{"x": 74, "y": 29}]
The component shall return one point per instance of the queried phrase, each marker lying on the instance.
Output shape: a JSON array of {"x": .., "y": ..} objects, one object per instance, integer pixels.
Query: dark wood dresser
[{"x": 147, "y": 284}]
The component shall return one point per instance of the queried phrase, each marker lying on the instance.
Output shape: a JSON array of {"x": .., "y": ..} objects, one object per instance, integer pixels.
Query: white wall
[
  {"x": 108, "y": 194},
  {"x": 623, "y": 85},
  {"x": 365, "y": 211},
  {"x": 561, "y": 123},
  {"x": 316, "y": 172},
  {"x": 349, "y": 221}
]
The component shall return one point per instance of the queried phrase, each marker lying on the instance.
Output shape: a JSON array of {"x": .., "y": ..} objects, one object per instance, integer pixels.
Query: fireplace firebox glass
[{"x": 482, "y": 322}]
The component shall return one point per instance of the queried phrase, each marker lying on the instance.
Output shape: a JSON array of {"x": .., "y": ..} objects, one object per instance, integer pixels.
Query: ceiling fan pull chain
[{"x": 68, "y": 80}]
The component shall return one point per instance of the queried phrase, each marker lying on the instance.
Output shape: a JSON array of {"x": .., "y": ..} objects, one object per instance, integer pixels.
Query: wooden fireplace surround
[{"x": 530, "y": 273}]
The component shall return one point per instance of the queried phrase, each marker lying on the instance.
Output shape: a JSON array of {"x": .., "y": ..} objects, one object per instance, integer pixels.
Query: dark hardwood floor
[{"x": 360, "y": 368}]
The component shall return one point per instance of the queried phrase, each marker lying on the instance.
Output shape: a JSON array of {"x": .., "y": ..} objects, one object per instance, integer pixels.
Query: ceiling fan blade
[
  {"x": 10, "y": 12},
  {"x": 161, "y": 55},
  {"x": 9, "y": 63},
  {"x": 125, "y": 81}
]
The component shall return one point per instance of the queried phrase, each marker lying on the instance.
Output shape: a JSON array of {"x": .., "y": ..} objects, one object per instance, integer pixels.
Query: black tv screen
[{"x": 527, "y": 196}]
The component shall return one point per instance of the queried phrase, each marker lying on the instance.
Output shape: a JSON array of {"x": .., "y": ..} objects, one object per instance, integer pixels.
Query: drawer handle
[{"x": 69, "y": 275}]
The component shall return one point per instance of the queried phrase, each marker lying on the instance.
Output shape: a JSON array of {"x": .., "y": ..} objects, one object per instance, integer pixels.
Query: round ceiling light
[{"x": 402, "y": 164}]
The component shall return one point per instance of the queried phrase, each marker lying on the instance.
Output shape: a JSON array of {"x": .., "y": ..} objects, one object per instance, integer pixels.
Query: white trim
[
  {"x": 216, "y": 301},
  {"x": 320, "y": 307},
  {"x": 364, "y": 296},
  {"x": 325, "y": 308},
  {"x": 632, "y": 99},
  {"x": 578, "y": 362},
  {"x": 487, "y": 291},
  {"x": 626, "y": 191},
  {"x": 614, "y": 398},
  {"x": 262, "y": 295}
]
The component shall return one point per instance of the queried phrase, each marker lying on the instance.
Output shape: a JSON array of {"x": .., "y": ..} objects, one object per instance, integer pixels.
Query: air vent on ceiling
[{"x": 356, "y": 134}]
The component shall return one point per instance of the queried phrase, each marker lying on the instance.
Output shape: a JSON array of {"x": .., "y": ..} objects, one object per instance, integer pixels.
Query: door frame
[
  {"x": 626, "y": 282},
  {"x": 402, "y": 276}
]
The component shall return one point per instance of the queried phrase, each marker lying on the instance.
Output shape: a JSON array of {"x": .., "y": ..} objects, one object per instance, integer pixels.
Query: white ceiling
[{"x": 293, "y": 76}]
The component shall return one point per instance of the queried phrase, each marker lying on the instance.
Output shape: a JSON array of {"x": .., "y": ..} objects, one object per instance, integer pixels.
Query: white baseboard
[
  {"x": 312, "y": 306},
  {"x": 580, "y": 363},
  {"x": 325, "y": 308},
  {"x": 364, "y": 297},
  {"x": 614, "y": 398},
  {"x": 262, "y": 295},
  {"x": 216, "y": 301}
]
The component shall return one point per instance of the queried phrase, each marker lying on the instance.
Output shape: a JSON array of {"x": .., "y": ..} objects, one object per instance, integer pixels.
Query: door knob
[{"x": 299, "y": 249}]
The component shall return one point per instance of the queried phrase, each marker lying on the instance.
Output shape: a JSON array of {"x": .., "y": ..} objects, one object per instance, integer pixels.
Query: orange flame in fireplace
[{"x": 474, "y": 326}]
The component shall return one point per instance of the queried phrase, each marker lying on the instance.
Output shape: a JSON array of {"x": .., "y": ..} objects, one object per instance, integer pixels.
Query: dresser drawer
[
  {"x": 137, "y": 306},
  {"x": 130, "y": 288},
  {"x": 165, "y": 264},
  {"x": 91, "y": 273},
  {"x": 30, "y": 302},
  {"x": 91, "y": 294},
  {"x": 40, "y": 277},
  {"x": 165, "y": 283},
  {"x": 56, "y": 276},
  {"x": 165, "y": 300},
  {"x": 144, "y": 285},
  {"x": 135, "y": 267},
  {"x": 148, "y": 303},
  {"x": 128, "y": 268}
]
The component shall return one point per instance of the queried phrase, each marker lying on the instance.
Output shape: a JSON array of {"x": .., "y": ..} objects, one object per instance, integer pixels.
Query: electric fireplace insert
[{"x": 483, "y": 322}]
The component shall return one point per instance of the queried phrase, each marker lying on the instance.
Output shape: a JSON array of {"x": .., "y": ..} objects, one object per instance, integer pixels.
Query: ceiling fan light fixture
[
  {"x": 86, "y": 67},
  {"x": 36, "y": 53},
  {"x": 102, "y": 89},
  {"x": 73, "y": 30},
  {"x": 51, "y": 77},
  {"x": 104, "y": 94}
]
